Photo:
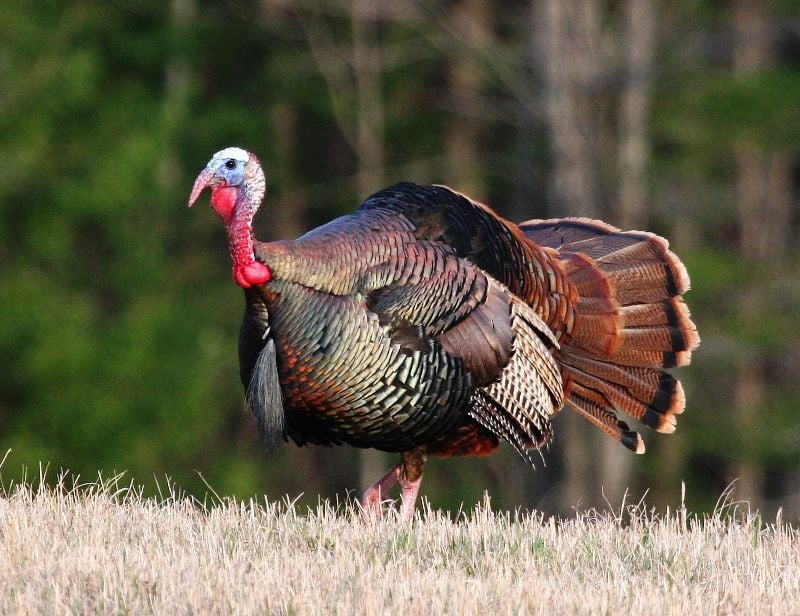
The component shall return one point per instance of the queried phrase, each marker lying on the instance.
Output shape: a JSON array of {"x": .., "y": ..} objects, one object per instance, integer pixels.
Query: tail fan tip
[{"x": 631, "y": 324}]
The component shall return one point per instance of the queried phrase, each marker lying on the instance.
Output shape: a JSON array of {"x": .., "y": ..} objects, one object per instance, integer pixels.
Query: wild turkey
[{"x": 425, "y": 324}]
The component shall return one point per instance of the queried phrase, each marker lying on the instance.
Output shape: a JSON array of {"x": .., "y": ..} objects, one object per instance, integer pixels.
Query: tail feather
[
  {"x": 598, "y": 414},
  {"x": 654, "y": 338},
  {"x": 672, "y": 311},
  {"x": 630, "y": 322},
  {"x": 652, "y": 396},
  {"x": 597, "y": 320},
  {"x": 557, "y": 232},
  {"x": 644, "y": 359}
]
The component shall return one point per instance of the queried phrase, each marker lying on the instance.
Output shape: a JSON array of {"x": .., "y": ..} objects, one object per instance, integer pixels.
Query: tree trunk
[
  {"x": 764, "y": 202},
  {"x": 634, "y": 141},
  {"x": 287, "y": 215},
  {"x": 569, "y": 36},
  {"x": 369, "y": 98},
  {"x": 177, "y": 88},
  {"x": 464, "y": 80}
]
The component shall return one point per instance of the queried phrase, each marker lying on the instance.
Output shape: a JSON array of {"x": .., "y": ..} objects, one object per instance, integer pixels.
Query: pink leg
[
  {"x": 408, "y": 494},
  {"x": 373, "y": 496},
  {"x": 408, "y": 474}
]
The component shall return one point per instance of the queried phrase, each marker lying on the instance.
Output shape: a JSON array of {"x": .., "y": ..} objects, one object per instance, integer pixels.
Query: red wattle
[
  {"x": 223, "y": 200},
  {"x": 251, "y": 274}
]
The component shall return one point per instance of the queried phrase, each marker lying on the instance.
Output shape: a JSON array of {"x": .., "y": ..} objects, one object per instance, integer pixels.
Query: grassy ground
[{"x": 99, "y": 548}]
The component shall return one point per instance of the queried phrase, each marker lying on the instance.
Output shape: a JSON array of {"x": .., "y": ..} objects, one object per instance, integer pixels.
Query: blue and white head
[
  {"x": 232, "y": 168},
  {"x": 237, "y": 185}
]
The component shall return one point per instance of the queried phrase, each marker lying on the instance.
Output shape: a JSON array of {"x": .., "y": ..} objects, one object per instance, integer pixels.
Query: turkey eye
[{"x": 230, "y": 164}]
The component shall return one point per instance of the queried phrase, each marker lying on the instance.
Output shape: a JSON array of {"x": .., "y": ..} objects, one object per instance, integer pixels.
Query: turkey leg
[{"x": 408, "y": 473}]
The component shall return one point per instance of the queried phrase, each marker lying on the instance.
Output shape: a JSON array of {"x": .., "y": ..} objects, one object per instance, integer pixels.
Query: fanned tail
[{"x": 629, "y": 322}]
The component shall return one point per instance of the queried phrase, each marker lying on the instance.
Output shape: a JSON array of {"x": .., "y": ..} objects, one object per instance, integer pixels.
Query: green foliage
[
  {"x": 715, "y": 111},
  {"x": 119, "y": 321},
  {"x": 105, "y": 364}
]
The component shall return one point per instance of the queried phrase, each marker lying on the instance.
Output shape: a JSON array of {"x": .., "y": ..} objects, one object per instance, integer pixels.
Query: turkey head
[{"x": 237, "y": 188}]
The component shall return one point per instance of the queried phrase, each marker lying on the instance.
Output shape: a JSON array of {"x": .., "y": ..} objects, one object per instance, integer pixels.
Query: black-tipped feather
[{"x": 630, "y": 323}]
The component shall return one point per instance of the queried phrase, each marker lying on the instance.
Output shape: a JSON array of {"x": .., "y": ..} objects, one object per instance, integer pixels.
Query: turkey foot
[{"x": 408, "y": 473}]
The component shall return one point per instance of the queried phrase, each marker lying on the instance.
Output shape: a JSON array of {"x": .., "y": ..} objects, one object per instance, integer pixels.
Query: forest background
[{"x": 118, "y": 317}]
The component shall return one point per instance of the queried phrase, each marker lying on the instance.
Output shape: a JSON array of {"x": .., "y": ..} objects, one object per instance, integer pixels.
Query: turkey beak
[{"x": 202, "y": 182}]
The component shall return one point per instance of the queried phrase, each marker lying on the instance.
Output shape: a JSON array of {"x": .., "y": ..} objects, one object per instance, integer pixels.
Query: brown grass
[{"x": 102, "y": 548}]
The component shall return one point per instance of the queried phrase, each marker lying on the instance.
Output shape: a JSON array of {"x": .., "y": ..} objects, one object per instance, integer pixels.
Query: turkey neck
[
  {"x": 237, "y": 208},
  {"x": 240, "y": 238}
]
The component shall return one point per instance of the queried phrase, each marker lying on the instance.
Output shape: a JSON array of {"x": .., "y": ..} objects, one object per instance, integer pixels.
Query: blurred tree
[
  {"x": 470, "y": 18},
  {"x": 764, "y": 215},
  {"x": 573, "y": 67},
  {"x": 119, "y": 317},
  {"x": 638, "y": 43}
]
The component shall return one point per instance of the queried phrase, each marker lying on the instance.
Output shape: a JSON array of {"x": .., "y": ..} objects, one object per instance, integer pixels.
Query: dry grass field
[{"x": 103, "y": 549}]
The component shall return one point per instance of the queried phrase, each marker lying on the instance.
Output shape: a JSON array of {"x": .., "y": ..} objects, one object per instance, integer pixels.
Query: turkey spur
[{"x": 425, "y": 324}]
